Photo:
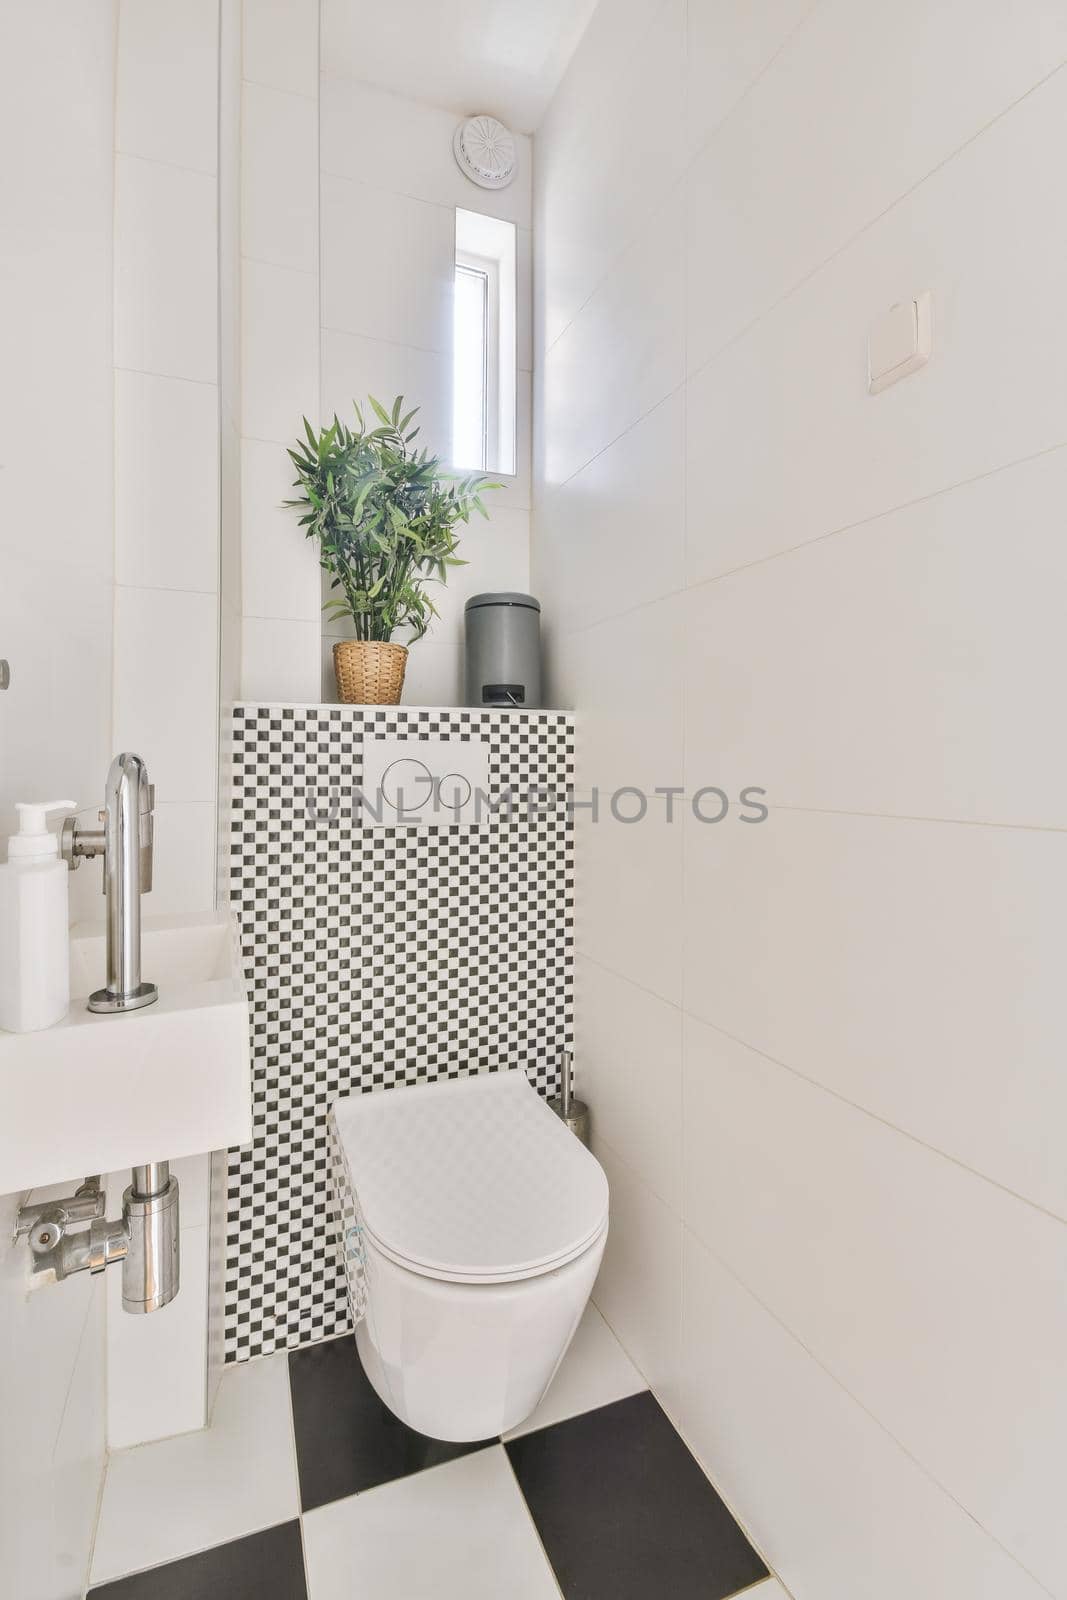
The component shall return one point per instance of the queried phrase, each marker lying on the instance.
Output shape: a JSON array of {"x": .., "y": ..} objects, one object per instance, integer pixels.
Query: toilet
[{"x": 474, "y": 1226}]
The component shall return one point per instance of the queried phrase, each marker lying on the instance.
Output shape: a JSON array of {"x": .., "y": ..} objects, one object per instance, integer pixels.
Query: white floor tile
[
  {"x": 596, "y": 1370},
  {"x": 169, "y": 1499},
  {"x": 457, "y": 1532}
]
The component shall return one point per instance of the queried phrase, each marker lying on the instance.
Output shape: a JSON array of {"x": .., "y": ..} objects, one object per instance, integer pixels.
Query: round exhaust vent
[{"x": 485, "y": 151}]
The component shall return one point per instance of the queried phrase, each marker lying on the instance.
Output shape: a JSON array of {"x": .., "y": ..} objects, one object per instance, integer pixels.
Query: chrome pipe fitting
[
  {"x": 151, "y": 1272},
  {"x": 145, "y": 1239}
]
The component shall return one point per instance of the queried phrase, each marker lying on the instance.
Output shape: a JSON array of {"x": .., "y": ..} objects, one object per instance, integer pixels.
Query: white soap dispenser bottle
[{"x": 34, "y": 924}]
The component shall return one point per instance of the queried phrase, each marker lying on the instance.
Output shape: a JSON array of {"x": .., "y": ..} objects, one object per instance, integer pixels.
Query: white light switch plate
[
  {"x": 420, "y": 782},
  {"x": 900, "y": 342}
]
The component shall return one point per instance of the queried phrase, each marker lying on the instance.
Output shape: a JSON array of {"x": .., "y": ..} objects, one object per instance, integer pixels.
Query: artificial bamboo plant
[{"x": 386, "y": 517}]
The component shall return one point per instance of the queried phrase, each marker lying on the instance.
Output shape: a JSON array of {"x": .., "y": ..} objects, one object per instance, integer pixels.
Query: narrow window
[{"x": 483, "y": 400}]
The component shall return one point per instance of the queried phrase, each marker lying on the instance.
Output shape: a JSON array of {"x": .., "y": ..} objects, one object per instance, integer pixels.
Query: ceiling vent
[{"x": 485, "y": 152}]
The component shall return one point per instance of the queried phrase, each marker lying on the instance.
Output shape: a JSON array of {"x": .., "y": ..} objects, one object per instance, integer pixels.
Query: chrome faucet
[
  {"x": 125, "y": 842},
  {"x": 146, "y": 1238}
]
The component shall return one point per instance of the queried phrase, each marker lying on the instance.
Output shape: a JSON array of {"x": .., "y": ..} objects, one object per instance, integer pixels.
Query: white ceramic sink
[{"x": 96, "y": 1093}]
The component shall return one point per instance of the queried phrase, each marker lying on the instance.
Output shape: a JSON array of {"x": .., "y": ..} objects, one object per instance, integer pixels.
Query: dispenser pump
[{"x": 33, "y": 838}]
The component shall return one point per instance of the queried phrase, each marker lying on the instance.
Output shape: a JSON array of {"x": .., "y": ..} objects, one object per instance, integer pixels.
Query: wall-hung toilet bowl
[{"x": 481, "y": 1222}]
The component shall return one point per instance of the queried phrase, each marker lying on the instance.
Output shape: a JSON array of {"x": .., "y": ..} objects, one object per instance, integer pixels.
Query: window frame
[{"x": 499, "y": 431}]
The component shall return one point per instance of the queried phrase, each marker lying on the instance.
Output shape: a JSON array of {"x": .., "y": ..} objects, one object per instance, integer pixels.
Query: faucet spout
[{"x": 127, "y": 818}]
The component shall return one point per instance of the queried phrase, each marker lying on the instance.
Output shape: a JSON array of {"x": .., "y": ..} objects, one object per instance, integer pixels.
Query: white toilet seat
[
  {"x": 471, "y": 1180},
  {"x": 482, "y": 1223},
  {"x": 442, "y": 1275}
]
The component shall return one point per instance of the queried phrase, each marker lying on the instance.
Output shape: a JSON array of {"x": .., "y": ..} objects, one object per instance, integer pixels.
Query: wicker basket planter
[{"x": 369, "y": 672}]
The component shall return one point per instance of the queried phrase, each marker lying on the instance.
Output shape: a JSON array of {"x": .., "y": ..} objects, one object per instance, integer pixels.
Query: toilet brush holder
[{"x": 575, "y": 1113}]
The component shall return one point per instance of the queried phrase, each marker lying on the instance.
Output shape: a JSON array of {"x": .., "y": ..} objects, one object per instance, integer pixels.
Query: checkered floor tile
[{"x": 588, "y": 1504}]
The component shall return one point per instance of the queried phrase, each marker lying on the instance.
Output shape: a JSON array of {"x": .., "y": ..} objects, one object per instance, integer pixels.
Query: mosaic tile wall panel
[{"x": 377, "y": 956}]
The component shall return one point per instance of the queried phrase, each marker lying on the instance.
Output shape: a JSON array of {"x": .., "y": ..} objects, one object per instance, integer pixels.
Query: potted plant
[{"x": 387, "y": 519}]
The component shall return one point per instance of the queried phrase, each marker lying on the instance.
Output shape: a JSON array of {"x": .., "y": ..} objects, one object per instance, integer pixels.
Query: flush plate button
[
  {"x": 441, "y": 783},
  {"x": 5, "y": 675}
]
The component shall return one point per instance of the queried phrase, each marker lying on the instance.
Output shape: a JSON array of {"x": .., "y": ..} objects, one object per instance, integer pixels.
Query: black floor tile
[
  {"x": 265, "y": 1566},
  {"x": 346, "y": 1439},
  {"x": 624, "y": 1511}
]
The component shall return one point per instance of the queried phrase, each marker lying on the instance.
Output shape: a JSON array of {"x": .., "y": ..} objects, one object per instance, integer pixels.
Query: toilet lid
[{"x": 471, "y": 1180}]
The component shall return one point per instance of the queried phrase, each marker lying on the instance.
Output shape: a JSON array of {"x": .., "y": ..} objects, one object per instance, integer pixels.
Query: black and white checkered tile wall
[{"x": 377, "y": 956}]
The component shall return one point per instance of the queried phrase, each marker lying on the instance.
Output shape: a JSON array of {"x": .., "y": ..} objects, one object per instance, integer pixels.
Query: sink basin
[{"x": 96, "y": 1093}]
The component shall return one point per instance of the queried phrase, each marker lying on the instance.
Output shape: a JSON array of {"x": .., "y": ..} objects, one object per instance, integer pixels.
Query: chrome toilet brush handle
[
  {"x": 566, "y": 1071},
  {"x": 575, "y": 1113}
]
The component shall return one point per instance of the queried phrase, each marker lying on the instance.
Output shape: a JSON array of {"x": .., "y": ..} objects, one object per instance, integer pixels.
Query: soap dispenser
[{"x": 34, "y": 924}]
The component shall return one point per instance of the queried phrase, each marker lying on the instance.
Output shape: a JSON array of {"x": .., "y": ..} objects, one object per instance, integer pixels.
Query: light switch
[{"x": 899, "y": 342}]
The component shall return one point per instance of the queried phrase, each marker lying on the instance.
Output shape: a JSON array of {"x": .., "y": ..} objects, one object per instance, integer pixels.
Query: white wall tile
[
  {"x": 524, "y": 297},
  {"x": 280, "y": 351},
  {"x": 839, "y": 162},
  {"x": 628, "y": 674},
  {"x": 279, "y": 659},
  {"x": 608, "y": 153},
  {"x": 768, "y": 206},
  {"x": 77, "y": 1457},
  {"x": 230, "y": 560},
  {"x": 497, "y": 553},
  {"x": 281, "y": 44},
  {"x": 644, "y": 1246},
  {"x": 892, "y": 668},
  {"x": 613, "y": 536},
  {"x": 825, "y": 1493},
  {"x": 279, "y": 196},
  {"x": 280, "y": 565},
  {"x": 628, "y": 1068},
  {"x": 622, "y": 354},
  {"x": 183, "y": 867},
  {"x": 929, "y": 988},
  {"x": 354, "y": 367},
  {"x": 517, "y": 491},
  {"x": 166, "y": 686},
  {"x": 727, "y": 47},
  {"x": 56, "y": 198},
  {"x": 166, "y": 482},
  {"x": 628, "y": 895},
  {"x": 51, "y": 1467},
  {"x": 800, "y": 448},
  {"x": 405, "y": 146},
  {"x": 879, "y": 1254},
  {"x": 387, "y": 265},
  {"x": 168, "y": 82},
  {"x": 157, "y": 1371},
  {"x": 434, "y": 675},
  {"x": 166, "y": 277},
  {"x": 47, "y": 664}
]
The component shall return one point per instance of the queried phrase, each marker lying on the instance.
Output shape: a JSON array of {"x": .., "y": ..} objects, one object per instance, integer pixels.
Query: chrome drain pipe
[
  {"x": 151, "y": 1272},
  {"x": 144, "y": 1238}
]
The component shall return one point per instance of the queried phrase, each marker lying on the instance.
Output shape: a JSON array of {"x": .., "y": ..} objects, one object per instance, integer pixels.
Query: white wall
[
  {"x": 167, "y": 572},
  {"x": 281, "y": 624},
  {"x": 389, "y": 191},
  {"x": 825, "y": 1053},
  {"x": 167, "y": 429},
  {"x": 56, "y": 578}
]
